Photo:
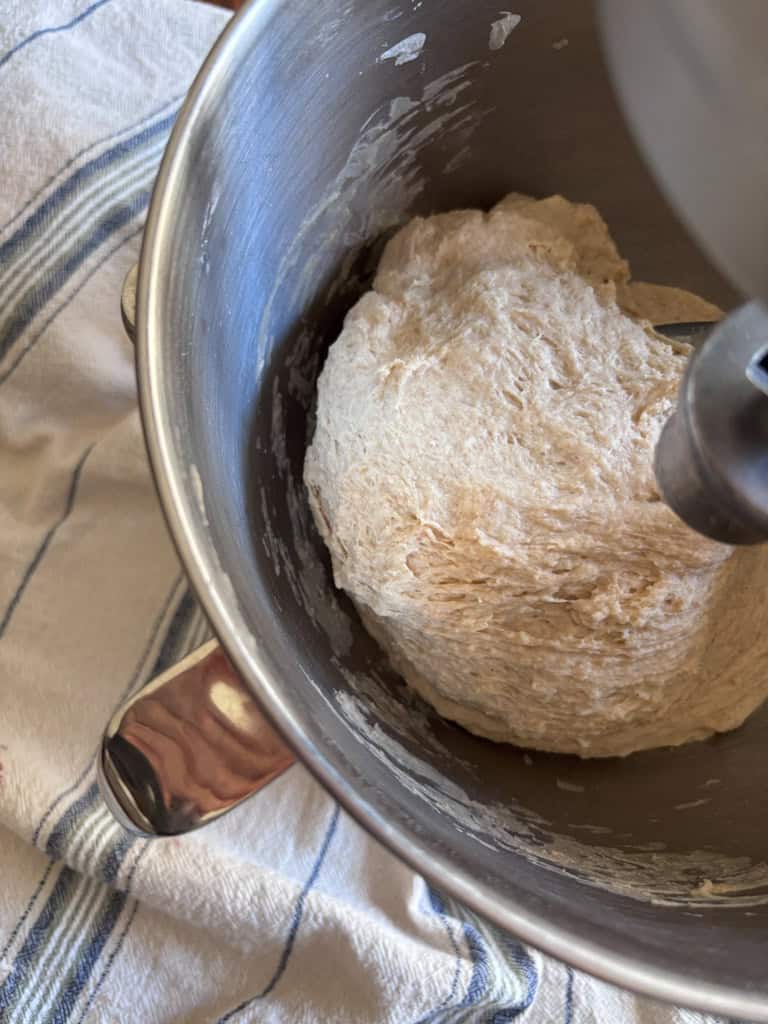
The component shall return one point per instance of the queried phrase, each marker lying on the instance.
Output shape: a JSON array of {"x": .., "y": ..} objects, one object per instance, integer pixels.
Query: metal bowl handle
[
  {"x": 128, "y": 301},
  {"x": 192, "y": 743},
  {"x": 188, "y": 747}
]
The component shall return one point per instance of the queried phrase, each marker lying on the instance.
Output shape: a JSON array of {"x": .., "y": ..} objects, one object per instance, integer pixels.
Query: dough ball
[{"x": 482, "y": 474}]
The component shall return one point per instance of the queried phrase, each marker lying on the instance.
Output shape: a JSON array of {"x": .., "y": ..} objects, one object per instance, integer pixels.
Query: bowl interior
[{"x": 301, "y": 148}]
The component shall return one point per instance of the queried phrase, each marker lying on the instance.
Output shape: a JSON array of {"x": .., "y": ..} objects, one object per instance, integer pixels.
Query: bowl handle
[
  {"x": 128, "y": 301},
  {"x": 192, "y": 743},
  {"x": 187, "y": 748}
]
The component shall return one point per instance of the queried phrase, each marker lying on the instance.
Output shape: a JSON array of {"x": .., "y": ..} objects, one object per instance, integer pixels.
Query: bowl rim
[{"x": 187, "y": 527}]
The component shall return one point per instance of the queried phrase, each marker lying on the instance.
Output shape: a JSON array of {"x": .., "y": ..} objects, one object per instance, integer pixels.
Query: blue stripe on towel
[
  {"x": 52, "y": 30},
  {"x": 26, "y": 349},
  {"x": 80, "y": 970},
  {"x": 120, "y": 940},
  {"x": 169, "y": 650},
  {"x": 501, "y": 966},
  {"x": 480, "y": 981},
  {"x": 61, "y": 834},
  {"x": 108, "y": 965},
  {"x": 80, "y": 779},
  {"x": 568, "y": 1016},
  {"x": 74, "y": 183},
  {"x": 298, "y": 910},
  {"x": 173, "y": 102},
  {"x": 37, "y": 297},
  {"x": 518, "y": 956},
  {"x": 109, "y": 913},
  {"x": 159, "y": 619},
  {"x": 97, "y": 938},
  {"x": 436, "y": 905},
  {"x": 25, "y": 958},
  {"x": 114, "y": 859},
  {"x": 119, "y": 214},
  {"x": 296, "y": 917},
  {"x": 23, "y": 919},
  {"x": 65, "y": 888},
  {"x": 39, "y": 554}
]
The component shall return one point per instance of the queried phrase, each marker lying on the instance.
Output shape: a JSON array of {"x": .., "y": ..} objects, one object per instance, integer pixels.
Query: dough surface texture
[{"x": 482, "y": 474}]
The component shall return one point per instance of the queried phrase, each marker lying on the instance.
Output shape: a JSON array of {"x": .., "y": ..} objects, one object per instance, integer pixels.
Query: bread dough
[{"x": 481, "y": 472}]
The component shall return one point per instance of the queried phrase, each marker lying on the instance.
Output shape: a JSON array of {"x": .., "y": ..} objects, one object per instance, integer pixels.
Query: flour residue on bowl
[
  {"x": 690, "y": 804},
  {"x": 305, "y": 575},
  {"x": 380, "y": 179},
  {"x": 648, "y": 873},
  {"x": 197, "y": 489},
  {"x": 502, "y": 29},
  {"x": 406, "y": 50}
]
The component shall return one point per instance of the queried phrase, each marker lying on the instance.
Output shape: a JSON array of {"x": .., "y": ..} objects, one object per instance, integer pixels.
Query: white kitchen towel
[{"x": 285, "y": 911}]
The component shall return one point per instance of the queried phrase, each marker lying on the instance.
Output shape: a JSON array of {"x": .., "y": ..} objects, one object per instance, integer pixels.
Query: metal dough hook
[{"x": 712, "y": 457}]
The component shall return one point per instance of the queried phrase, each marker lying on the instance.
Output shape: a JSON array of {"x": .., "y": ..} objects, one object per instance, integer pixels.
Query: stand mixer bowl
[{"x": 311, "y": 132}]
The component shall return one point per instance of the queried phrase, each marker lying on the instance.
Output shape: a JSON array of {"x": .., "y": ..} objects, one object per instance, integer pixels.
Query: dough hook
[{"x": 712, "y": 457}]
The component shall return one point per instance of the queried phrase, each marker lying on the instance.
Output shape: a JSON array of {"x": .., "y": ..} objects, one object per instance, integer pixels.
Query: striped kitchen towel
[{"x": 285, "y": 911}]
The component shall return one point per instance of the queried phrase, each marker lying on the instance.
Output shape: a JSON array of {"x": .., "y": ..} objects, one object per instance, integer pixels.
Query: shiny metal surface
[
  {"x": 693, "y": 333},
  {"x": 711, "y": 456},
  {"x": 757, "y": 369},
  {"x": 298, "y": 147},
  {"x": 128, "y": 301},
  {"x": 192, "y": 743},
  {"x": 693, "y": 80},
  {"x": 187, "y": 748}
]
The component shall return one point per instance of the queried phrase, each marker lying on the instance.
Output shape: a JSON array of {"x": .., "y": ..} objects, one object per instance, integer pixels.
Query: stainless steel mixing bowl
[{"x": 310, "y": 134}]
